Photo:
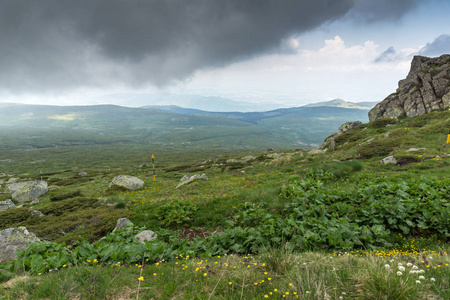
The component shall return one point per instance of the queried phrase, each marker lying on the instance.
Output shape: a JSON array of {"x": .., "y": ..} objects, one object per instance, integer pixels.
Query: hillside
[{"x": 250, "y": 228}]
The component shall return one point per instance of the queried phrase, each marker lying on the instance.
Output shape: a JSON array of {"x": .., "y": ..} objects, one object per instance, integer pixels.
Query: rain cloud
[{"x": 60, "y": 45}]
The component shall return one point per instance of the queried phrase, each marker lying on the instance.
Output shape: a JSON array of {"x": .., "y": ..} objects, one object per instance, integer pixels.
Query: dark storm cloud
[
  {"x": 439, "y": 46},
  {"x": 61, "y": 44}
]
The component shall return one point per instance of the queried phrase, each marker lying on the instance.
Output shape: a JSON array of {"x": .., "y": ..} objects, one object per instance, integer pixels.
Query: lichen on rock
[
  {"x": 13, "y": 239},
  {"x": 129, "y": 182}
]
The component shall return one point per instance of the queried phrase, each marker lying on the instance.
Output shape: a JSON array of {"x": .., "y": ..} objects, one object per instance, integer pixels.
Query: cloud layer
[{"x": 61, "y": 45}]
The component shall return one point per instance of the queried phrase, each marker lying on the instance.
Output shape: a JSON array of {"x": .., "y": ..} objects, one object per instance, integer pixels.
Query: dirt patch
[
  {"x": 191, "y": 233},
  {"x": 12, "y": 282},
  {"x": 406, "y": 161}
]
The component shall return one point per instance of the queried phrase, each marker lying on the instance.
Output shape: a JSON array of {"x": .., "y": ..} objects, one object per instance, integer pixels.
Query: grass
[{"x": 78, "y": 207}]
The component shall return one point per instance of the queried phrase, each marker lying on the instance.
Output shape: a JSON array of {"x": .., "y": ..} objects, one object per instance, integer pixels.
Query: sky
[{"x": 264, "y": 52}]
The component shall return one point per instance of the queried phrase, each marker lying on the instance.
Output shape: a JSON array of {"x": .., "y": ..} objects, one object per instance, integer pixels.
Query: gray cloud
[
  {"x": 387, "y": 56},
  {"x": 441, "y": 45},
  {"x": 58, "y": 45}
]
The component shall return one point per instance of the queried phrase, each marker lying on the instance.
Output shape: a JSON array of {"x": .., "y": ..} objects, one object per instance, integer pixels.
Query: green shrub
[
  {"x": 380, "y": 123},
  {"x": 350, "y": 136},
  {"x": 379, "y": 147},
  {"x": 176, "y": 213},
  {"x": 69, "y": 205},
  {"x": 115, "y": 189},
  {"x": 57, "y": 195}
]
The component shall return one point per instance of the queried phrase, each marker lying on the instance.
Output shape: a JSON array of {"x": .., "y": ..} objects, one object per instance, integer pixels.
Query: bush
[
  {"x": 57, "y": 195},
  {"x": 380, "y": 123},
  {"x": 380, "y": 147}
]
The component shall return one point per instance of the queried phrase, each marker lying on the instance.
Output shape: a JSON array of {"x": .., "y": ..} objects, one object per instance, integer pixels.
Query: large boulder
[
  {"x": 189, "y": 178},
  {"x": 5, "y": 205},
  {"x": 425, "y": 89},
  {"x": 13, "y": 239},
  {"x": 129, "y": 182},
  {"x": 31, "y": 190}
]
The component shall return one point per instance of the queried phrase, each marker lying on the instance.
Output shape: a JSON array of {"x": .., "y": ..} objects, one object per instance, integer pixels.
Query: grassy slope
[{"x": 230, "y": 185}]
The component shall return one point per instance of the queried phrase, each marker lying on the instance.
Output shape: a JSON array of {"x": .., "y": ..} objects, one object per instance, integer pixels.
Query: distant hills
[{"x": 39, "y": 126}]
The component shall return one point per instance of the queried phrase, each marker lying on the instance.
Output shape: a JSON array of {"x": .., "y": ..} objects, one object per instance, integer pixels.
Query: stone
[
  {"x": 12, "y": 180},
  {"x": 330, "y": 142},
  {"x": 36, "y": 212},
  {"x": 189, "y": 178},
  {"x": 146, "y": 236},
  {"x": 389, "y": 160},
  {"x": 415, "y": 149},
  {"x": 5, "y": 205},
  {"x": 426, "y": 88},
  {"x": 129, "y": 182},
  {"x": 30, "y": 191},
  {"x": 122, "y": 223},
  {"x": 12, "y": 187},
  {"x": 82, "y": 173},
  {"x": 13, "y": 239}
]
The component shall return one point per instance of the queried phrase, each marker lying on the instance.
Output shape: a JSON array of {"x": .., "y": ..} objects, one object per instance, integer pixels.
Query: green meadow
[{"x": 280, "y": 224}]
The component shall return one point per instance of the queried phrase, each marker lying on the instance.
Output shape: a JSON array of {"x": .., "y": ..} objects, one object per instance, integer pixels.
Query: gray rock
[
  {"x": 13, "y": 239},
  {"x": 389, "y": 160},
  {"x": 36, "y": 212},
  {"x": 82, "y": 173},
  {"x": 146, "y": 235},
  {"x": 415, "y": 149},
  {"x": 189, "y": 178},
  {"x": 122, "y": 223},
  {"x": 30, "y": 191},
  {"x": 13, "y": 187},
  {"x": 5, "y": 205},
  {"x": 129, "y": 182},
  {"x": 426, "y": 88}
]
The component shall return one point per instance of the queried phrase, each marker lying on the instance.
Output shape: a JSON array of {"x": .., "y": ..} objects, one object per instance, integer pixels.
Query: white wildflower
[
  {"x": 417, "y": 281},
  {"x": 387, "y": 266},
  {"x": 422, "y": 277},
  {"x": 400, "y": 264},
  {"x": 401, "y": 268},
  {"x": 432, "y": 279},
  {"x": 409, "y": 264},
  {"x": 399, "y": 273},
  {"x": 392, "y": 260},
  {"x": 415, "y": 267}
]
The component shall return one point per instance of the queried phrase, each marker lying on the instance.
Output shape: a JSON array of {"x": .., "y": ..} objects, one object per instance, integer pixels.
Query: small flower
[
  {"x": 230, "y": 283},
  {"x": 141, "y": 278},
  {"x": 399, "y": 273},
  {"x": 290, "y": 284},
  {"x": 422, "y": 277},
  {"x": 205, "y": 274},
  {"x": 387, "y": 266},
  {"x": 417, "y": 281},
  {"x": 64, "y": 266},
  {"x": 432, "y": 279},
  {"x": 409, "y": 264},
  {"x": 269, "y": 279},
  {"x": 266, "y": 296},
  {"x": 401, "y": 268}
]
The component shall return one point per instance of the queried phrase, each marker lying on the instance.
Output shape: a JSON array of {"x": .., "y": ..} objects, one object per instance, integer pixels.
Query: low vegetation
[{"x": 339, "y": 225}]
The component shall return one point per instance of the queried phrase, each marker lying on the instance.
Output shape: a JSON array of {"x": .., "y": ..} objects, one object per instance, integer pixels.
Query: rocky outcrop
[
  {"x": 426, "y": 88},
  {"x": 13, "y": 239},
  {"x": 129, "y": 182},
  {"x": 189, "y": 178},
  {"x": 30, "y": 190},
  {"x": 329, "y": 141}
]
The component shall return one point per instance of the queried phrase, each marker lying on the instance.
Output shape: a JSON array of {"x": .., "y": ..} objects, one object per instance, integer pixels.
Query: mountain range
[{"x": 39, "y": 126}]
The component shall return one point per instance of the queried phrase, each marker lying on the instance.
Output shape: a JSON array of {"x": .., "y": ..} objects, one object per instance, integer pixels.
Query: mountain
[
  {"x": 426, "y": 88},
  {"x": 344, "y": 104},
  {"x": 38, "y": 126}
]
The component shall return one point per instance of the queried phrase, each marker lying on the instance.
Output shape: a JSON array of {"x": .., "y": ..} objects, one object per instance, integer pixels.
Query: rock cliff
[{"x": 426, "y": 88}]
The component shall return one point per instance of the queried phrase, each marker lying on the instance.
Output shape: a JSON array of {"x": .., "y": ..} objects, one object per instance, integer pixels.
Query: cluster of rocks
[{"x": 425, "y": 89}]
